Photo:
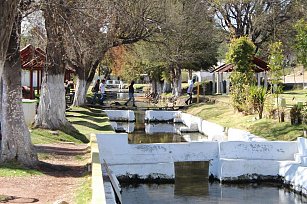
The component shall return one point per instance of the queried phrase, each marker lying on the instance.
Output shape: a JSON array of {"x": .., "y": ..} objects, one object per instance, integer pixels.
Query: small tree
[
  {"x": 276, "y": 71},
  {"x": 301, "y": 44},
  {"x": 258, "y": 96},
  {"x": 240, "y": 54}
]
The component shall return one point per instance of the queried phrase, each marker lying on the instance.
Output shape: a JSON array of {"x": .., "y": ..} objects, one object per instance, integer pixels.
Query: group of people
[
  {"x": 100, "y": 88},
  {"x": 99, "y": 92}
]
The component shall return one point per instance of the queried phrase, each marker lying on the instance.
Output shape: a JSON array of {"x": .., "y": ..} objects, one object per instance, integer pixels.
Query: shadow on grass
[
  {"x": 94, "y": 119},
  {"x": 105, "y": 127},
  {"x": 71, "y": 130}
]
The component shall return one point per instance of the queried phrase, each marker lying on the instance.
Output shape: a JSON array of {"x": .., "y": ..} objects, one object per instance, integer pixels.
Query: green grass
[
  {"x": 16, "y": 170},
  {"x": 88, "y": 120},
  {"x": 84, "y": 193},
  {"x": 294, "y": 96},
  {"x": 85, "y": 122},
  {"x": 224, "y": 115}
]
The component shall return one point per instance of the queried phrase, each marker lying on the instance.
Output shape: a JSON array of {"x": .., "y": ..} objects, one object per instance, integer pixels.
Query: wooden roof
[
  {"x": 260, "y": 66},
  {"x": 32, "y": 58}
]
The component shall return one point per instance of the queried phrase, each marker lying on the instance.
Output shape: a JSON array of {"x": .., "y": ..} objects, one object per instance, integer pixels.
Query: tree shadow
[{"x": 92, "y": 125}]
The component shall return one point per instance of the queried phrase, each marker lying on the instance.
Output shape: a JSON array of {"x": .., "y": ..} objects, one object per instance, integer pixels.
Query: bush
[{"x": 296, "y": 115}]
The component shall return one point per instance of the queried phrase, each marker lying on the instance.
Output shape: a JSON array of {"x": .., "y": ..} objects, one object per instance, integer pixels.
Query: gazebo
[
  {"x": 32, "y": 62},
  {"x": 221, "y": 74}
]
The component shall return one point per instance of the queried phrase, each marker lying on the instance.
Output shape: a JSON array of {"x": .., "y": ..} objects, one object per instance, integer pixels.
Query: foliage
[
  {"x": 276, "y": 62},
  {"x": 258, "y": 97},
  {"x": 240, "y": 54},
  {"x": 296, "y": 115},
  {"x": 301, "y": 41}
]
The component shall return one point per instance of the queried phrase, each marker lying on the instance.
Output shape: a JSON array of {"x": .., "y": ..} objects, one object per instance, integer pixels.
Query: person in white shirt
[
  {"x": 190, "y": 92},
  {"x": 102, "y": 88}
]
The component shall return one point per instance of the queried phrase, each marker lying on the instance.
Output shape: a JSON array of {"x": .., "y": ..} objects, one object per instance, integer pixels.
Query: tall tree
[
  {"x": 301, "y": 44},
  {"x": 52, "y": 106},
  {"x": 258, "y": 19},
  {"x": 116, "y": 23},
  {"x": 8, "y": 9},
  {"x": 16, "y": 141},
  {"x": 240, "y": 54},
  {"x": 189, "y": 38}
]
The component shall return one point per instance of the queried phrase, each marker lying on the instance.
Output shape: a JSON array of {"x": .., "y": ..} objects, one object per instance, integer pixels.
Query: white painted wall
[
  {"x": 152, "y": 115},
  {"x": 114, "y": 148},
  {"x": 242, "y": 135},
  {"x": 192, "y": 122},
  {"x": 214, "y": 131},
  {"x": 120, "y": 115}
]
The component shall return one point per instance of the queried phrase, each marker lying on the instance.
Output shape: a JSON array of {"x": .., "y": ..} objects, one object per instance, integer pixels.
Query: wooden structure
[
  {"x": 222, "y": 72},
  {"x": 33, "y": 60}
]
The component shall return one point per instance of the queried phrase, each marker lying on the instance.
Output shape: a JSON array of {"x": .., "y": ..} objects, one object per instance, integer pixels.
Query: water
[
  {"x": 208, "y": 193},
  {"x": 191, "y": 183},
  {"x": 142, "y": 132}
]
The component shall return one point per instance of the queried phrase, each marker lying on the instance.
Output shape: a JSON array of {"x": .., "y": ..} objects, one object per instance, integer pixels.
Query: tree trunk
[
  {"x": 176, "y": 80},
  {"x": 16, "y": 141},
  {"x": 80, "y": 94},
  {"x": 190, "y": 73},
  {"x": 166, "y": 87},
  {"x": 8, "y": 10},
  {"x": 52, "y": 105}
]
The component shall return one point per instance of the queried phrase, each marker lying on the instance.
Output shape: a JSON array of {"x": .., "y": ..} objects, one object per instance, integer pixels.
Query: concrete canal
[{"x": 171, "y": 162}]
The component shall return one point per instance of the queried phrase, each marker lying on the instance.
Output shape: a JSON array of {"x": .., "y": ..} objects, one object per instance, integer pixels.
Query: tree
[
  {"x": 240, "y": 54},
  {"x": 301, "y": 44},
  {"x": 8, "y": 11},
  {"x": 116, "y": 23},
  {"x": 16, "y": 141},
  {"x": 276, "y": 69},
  {"x": 52, "y": 106},
  {"x": 257, "y": 19},
  {"x": 189, "y": 39}
]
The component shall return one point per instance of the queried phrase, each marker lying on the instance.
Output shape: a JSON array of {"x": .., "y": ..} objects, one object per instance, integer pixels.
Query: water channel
[{"x": 190, "y": 184}]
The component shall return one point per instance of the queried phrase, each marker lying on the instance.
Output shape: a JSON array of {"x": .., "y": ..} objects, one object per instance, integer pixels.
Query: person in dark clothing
[
  {"x": 190, "y": 92},
  {"x": 131, "y": 94},
  {"x": 95, "y": 91}
]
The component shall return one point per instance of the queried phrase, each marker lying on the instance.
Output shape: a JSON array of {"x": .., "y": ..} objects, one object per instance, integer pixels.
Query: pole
[{"x": 198, "y": 92}]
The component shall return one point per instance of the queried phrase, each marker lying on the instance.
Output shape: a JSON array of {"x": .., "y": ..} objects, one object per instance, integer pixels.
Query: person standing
[
  {"x": 131, "y": 94},
  {"x": 102, "y": 88},
  {"x": 190, "y": 92},
  {"x": 95, "y": 91}
]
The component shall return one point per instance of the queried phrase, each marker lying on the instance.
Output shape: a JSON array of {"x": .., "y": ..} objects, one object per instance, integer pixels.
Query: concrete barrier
[
  {"x": 29, "y": 110},
  {"x": 152, "y": 115},
  {"x": 193, "y": 123},
  {"x": 120, "y": 115},
  {"x": 214, "y": 131},
  {"x": 234, "y": 134}
]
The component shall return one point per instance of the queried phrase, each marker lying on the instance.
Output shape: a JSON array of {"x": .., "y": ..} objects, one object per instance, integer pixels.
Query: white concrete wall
[
  {"x": 258, "y": 150},
  {"x": 120, "y": 115},
  {"x": 152, "y": 115},
  {"x": 114, "y": 148},
  {"x": 228, "y": 160},
  {"x": 192, "y": 122},
  {"x": 152, "y": 128},
  {"x": 29, "y": 110},
  {"x": 242, "y": 135},
  {"x": 214, "y": 131}
]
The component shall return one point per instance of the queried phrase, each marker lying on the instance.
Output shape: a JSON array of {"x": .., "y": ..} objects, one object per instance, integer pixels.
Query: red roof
[
  {"x": 32, "y": 58},
  {"x": 260, "y": 66}
]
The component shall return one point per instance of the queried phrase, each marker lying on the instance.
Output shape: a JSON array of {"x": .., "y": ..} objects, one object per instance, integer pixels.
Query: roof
[
  {"x": 260, "y": 66},
  {"x": 32, "y": 58}
]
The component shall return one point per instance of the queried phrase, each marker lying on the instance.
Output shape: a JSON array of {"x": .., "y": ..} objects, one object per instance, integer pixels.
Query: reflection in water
[
  {"x": 215, "y": 193},
  {"x": 141, "y": 132}
]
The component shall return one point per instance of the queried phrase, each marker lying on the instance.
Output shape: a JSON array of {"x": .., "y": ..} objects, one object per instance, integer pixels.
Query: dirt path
[{"x": 64, "y": 167}]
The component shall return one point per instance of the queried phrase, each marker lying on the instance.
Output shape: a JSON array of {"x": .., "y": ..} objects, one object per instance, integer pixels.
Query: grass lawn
[
  {"x": 85, "y": 122},
  {"x": 223, "y": 114}
]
